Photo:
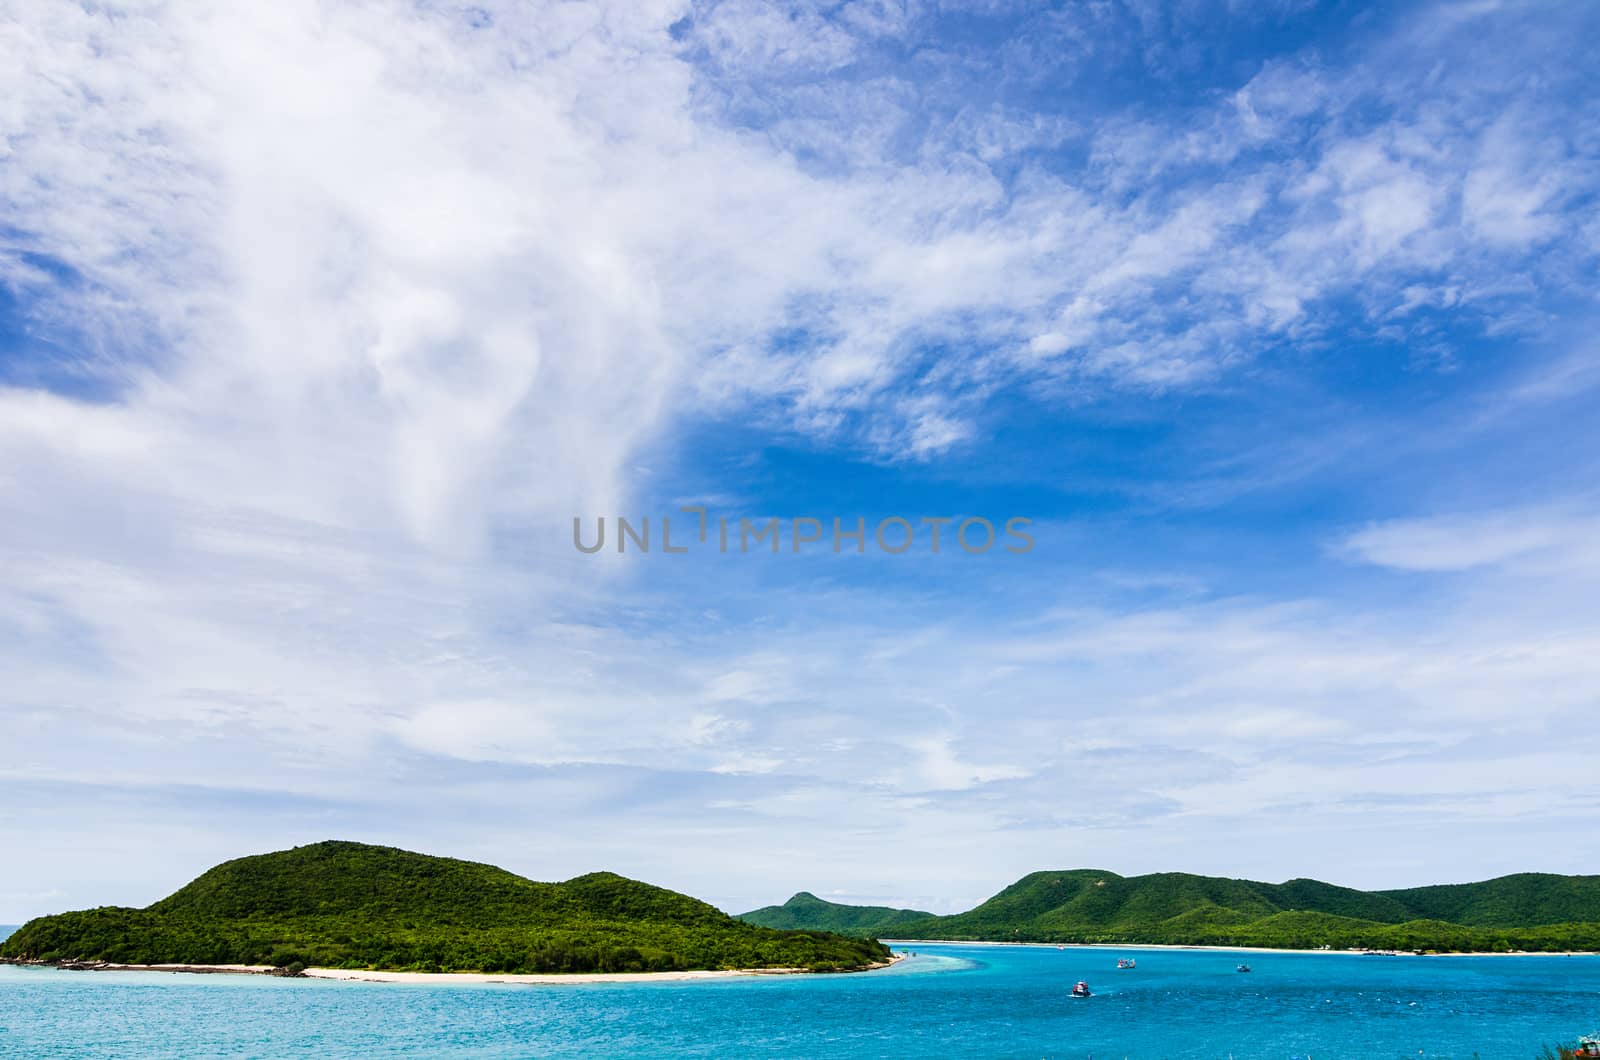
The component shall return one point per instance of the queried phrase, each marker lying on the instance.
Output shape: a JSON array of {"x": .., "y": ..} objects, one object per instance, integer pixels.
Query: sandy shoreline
[
  {"x": 1232, "y": 949},
  {"x": 453, "y": 978},
  {"x": 360, "y": 975}
]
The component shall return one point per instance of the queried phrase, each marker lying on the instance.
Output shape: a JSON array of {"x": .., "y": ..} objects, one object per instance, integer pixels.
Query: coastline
[
  {"x": 1238, "y": 949},
  {"x": 363, "y": 975}
]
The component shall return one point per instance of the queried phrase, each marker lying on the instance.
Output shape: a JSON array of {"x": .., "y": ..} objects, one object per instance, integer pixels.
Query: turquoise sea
[{"x": 947, "y": 1001}]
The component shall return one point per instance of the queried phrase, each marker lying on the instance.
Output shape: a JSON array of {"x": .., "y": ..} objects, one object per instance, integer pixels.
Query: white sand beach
[
  {"x": 358, "y": 975},
  {"x": 361, "y": 975},
  {"x": 457, "y": 978}
]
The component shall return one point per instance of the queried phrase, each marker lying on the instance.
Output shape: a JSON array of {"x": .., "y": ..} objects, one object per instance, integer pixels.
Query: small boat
[
  {"x": 1080, "y": 989},
  {"x": 1244, "y": 967},
  {"x": 1127, "y": 962}
]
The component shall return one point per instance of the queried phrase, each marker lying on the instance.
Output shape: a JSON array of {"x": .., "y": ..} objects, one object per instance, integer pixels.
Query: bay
[{"x": 948, "y": 1001}]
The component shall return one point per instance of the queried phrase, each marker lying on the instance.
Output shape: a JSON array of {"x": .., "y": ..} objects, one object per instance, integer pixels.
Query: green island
[
  {"x": 354, "y": 906},
  {"x": 806, "y": 912},
  {"x": 1527, "y": 911}
]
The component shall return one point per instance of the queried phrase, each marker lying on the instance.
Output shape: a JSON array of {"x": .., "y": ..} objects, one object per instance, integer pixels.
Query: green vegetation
[
  {"x": 349, "y": 905},
  {"x": 1524, "y": 912},
  {"x": 1510, "y": 901},
  {"x": 806, "y": 912}
]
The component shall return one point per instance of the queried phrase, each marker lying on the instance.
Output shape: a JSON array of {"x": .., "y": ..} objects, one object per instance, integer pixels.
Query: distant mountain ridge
[
  {"x": 1526, "y": 911},
  {"x": 351, "y": 905},
  {"x": 806, "y": 912}
]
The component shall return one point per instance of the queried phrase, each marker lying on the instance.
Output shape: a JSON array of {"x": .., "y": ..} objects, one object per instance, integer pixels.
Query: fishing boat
[
  {"x": 1127, "y": 962},
  {"x": 1244, "y": 967},
  {"x": 1080, "y": 989}
]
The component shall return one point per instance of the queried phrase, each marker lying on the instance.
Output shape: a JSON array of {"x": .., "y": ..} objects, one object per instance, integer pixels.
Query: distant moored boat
[{"x": 1127, "y": 962}]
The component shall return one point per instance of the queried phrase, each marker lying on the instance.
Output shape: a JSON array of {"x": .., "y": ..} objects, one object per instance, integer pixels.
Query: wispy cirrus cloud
[
  {"x": 1550, "y": 541},
  {"x": 1186, "y": 241}
]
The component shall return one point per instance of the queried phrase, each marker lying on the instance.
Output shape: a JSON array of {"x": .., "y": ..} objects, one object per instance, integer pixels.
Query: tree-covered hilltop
[
  {"x": 350, "y": 905},
  {"x": 806, "y": 912},
  {"x": 1523, "y": 912},
  {"x": 1509, "y": 901}
]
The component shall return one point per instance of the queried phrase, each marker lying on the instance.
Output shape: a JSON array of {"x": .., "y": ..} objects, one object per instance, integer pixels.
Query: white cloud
[
  {"x": 446, "y": 246},
  {"x": 942, "y": 768},
  {"x": 1551, "y": 541},
  {"x": 1508, "y": 196}
]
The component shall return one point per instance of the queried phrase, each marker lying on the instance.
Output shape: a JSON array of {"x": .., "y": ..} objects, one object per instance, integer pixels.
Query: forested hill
[
  {"x": 350, "y": 905},
  {"x": 1525, "y": 898},
  {"x": 1530, "y": 911},
  {"x": 806, "y": 911}
]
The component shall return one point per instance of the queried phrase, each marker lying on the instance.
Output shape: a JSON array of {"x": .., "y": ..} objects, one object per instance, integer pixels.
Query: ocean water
[{"x": 947, "y": 1001}]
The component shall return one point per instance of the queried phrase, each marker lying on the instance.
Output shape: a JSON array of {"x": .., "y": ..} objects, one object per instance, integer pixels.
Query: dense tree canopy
[
  {"x": 1529, "y": 911},
  {"x": 349, "y": 905}
]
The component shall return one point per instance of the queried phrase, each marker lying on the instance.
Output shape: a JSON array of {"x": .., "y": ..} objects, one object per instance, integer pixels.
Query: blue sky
[{"x": 320, "y": 324}]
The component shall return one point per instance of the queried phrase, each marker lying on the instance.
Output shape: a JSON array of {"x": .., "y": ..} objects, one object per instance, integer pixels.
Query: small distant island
[
  {"x": 806, "y": 912},
  {"x": 1525, "y": 912},
  {"x": 343, "y": 905}
]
